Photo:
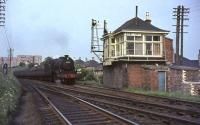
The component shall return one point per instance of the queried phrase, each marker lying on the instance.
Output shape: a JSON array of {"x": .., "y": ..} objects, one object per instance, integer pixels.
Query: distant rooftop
[
  {"x": 90, "y": 63},
  {"x": 191, "y": 63},
  {"x": 137, "y": 24},
  {"x": 80, "y": 62}
]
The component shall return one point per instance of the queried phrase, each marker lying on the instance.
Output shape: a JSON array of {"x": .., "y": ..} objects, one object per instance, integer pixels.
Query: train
[{"x": 61, "y": 69}]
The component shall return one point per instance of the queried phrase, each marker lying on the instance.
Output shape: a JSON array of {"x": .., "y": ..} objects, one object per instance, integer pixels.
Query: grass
[
  {"x": 175, "y": 95},
  {"x": 10, "y": 91},
  {"x": 89, "y": 82}
]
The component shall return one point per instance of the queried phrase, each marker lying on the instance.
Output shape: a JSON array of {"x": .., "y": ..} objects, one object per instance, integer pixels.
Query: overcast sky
[{"x": 59, "y": 27}]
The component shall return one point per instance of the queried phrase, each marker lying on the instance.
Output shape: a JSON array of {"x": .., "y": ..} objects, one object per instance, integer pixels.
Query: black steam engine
[{"x": 61, "y": 69}]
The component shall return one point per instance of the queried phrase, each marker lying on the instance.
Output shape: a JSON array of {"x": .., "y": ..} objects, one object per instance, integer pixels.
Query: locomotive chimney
[{"x": 66, "y": 56}]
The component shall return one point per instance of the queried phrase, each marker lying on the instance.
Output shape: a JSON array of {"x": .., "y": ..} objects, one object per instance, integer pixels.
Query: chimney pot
[{"x": 148, "y": 20}]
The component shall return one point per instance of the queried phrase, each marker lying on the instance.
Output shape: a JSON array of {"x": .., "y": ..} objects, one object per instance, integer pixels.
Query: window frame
[{"x": 130, "y": 50}]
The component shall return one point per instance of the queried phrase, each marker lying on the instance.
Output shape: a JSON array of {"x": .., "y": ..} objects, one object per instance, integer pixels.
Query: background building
[{"x": 27, "y": 59}]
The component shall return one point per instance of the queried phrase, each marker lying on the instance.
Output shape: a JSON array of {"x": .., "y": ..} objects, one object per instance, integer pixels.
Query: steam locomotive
[{"x": 61, "y": 69}]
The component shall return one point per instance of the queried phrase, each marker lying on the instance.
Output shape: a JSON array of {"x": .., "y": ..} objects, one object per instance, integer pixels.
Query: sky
[{"x": 59, "y": 27}]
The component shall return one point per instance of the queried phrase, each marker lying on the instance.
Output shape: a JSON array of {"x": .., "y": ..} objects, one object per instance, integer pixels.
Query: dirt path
[{"x": 26, "y": 113}]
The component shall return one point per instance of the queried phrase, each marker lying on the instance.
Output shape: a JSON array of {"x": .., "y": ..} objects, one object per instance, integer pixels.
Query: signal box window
[
  {"x": 148, "y": 38},
  {"x": 113, "y": 40},
  {"x": 156, "y": 49},
  {"x": 156, "y": 38},
  {"x": 149, "y": 48},
  {"x": 138, "y": 49},
  {"x": 138, "y": 38},
  {"x": 130, "y": 38},
  {"x": 130, "y": 48}
]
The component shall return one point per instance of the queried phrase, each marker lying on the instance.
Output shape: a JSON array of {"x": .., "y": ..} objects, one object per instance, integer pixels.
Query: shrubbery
[
  {"x": 10, "y": 91},
  {"x": 86, "y": 75}
]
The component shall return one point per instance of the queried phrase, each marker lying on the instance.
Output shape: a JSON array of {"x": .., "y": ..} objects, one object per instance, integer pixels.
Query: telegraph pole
[
  {"x": 177, "y": 61},
  {"x": 2, "y": 25},
  {"x": 180, "y": 13},
  {"x": 10, "y": 57},
  {"x": 2, "y": 13},
  {"x": 2, "y": 19}
]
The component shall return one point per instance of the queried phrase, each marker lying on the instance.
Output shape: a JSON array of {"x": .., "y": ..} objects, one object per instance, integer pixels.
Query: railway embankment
[
  {"x": 174, "y": 95},
  {"x": 10, "y": 91}
]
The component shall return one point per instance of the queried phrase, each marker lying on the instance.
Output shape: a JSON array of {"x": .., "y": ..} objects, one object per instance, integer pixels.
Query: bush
[
  {"x": 86, "y": 75},
  {"x": 10, "y": 91}
]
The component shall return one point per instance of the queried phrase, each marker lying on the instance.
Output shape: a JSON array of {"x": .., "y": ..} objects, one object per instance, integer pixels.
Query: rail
[
  {"x": 61, "y": 116},
  {"x": 94, "y": 106}
]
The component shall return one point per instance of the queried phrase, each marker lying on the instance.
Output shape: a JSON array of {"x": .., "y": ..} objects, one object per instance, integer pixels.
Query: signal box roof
[{"x": 137, "y": 24}]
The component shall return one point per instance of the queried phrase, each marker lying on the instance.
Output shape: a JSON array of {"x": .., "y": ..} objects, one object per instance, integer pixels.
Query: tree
[
  {"x": 31, "y": 65},
  {"x": 48, "y": 59},
  {"x": 86, "y": 75}
]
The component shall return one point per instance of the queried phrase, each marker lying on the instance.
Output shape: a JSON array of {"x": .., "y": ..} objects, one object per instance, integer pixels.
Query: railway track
[
  {"x": 71, "y": 110},
  {"x": 48, "y": 112},
  {"x": 133, "y": 109},
  {"x": 188, "y": 105},
  {"x": 142, "y": 112}
]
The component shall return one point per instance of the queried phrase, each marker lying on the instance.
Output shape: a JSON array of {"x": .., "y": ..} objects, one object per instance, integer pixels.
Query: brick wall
[
  {"x": 129, "y": 74},
  {"x": 168, "y": 45},
  {"x": 150, "y": 79},
  {"x": 191, "y": 88},
  {"x": 192, "y": 75},
  {"x": 177, "y": 82},
  {"x": 154, "y": 79},
  {"x": 174, "y": 80},
  {"x": 139, "y": 75},
  {"x": 115, "y": 76},
  {"x": 142, "y": 77},
  {"x": 135, "y": 75}
]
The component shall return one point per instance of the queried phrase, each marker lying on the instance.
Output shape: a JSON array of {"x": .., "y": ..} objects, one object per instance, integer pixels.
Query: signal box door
[{"x": 161, "y": 81}]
